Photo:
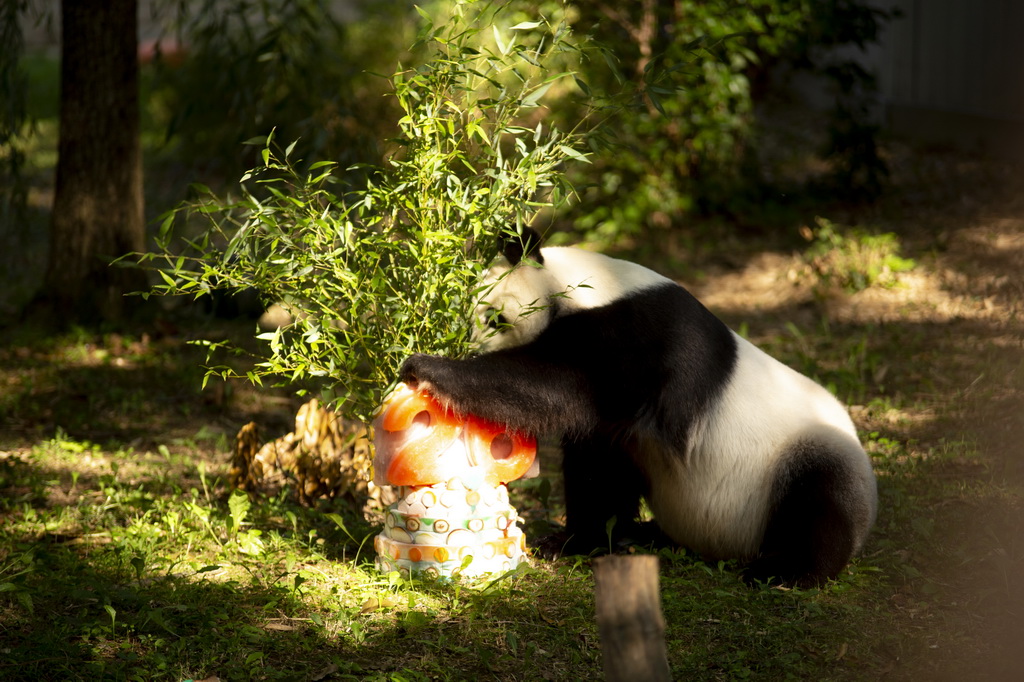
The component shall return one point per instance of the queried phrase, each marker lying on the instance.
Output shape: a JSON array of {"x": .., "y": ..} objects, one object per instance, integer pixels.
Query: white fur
[
  {"x": 581, "y": 279},
  {"x": 714, "y": 499}
]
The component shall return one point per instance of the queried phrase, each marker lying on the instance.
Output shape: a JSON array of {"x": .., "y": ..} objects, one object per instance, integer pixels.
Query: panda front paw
[
  {"x": 414, "y": 369},
  {"x": 427, "y": 373}
]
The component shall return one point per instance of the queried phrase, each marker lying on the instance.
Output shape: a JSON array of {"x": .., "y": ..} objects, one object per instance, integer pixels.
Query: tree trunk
[{"x": 98, "y": 205}]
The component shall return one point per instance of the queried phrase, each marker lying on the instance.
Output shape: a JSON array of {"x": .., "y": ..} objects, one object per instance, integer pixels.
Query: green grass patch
[
  {"x": 145, "y": 567},
  {"x": 124, "y": 564},
  {"x": 852, "y": 259}
]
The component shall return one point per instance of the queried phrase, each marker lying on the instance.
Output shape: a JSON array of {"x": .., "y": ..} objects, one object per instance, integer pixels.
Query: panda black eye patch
[{"x": 496, "y": 320}]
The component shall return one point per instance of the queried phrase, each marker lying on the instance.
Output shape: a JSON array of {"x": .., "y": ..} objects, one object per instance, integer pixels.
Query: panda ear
[{"x": 515, "y": 246}]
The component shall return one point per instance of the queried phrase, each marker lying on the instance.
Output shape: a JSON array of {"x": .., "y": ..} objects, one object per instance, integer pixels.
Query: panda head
[
  {"x": 527, "y": 288},
  {"x": 515, "y": 305}
]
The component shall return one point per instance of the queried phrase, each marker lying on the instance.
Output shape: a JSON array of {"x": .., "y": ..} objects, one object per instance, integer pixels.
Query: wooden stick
[{"x": 629, "y": 619}]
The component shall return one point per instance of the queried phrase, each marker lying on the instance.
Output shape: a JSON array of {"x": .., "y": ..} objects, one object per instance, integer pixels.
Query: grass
[
  {"x": 146, "y": 571},
  {"x": 149, "y": 570},
  {"x": 123, "y": 555}
]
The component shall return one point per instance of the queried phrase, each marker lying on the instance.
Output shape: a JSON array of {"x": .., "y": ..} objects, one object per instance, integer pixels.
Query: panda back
[
  {"x": 591, "y": 280},
  {"x": 569, "y": 280}
]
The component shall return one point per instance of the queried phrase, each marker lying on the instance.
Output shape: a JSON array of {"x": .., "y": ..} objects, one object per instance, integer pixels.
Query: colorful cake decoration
[{"x": 453, "y": 514}]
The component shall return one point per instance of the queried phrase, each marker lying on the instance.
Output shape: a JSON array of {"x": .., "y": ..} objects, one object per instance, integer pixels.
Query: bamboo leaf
[
  {"x": 573, "y": 153},
  {"x": 531, "y": 99}
]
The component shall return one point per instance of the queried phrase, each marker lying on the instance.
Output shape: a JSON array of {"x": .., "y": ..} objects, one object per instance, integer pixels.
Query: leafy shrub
[
  {"x": 852, "y": 260},
  {"x": 374, "y": 272}
]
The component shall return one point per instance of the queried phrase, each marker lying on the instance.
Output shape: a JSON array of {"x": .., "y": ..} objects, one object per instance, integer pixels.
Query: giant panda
[{"x": 738, "y": 456}]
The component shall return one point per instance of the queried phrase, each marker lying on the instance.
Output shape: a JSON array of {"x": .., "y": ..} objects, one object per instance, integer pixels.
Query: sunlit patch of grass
[
  {"x": 136, "y": 571},
  {"x": 852, "y": 259}
]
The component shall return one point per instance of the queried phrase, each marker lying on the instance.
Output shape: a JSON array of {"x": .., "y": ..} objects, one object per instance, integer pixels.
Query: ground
[{"x": 113, "y": 425}]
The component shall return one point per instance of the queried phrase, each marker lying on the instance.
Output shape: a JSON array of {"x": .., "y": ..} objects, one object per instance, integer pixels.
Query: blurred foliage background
[
  {"x": 692, "y": 142},
  {"x": 703, "y": 72},
  {"x": 685, "y": 105}
]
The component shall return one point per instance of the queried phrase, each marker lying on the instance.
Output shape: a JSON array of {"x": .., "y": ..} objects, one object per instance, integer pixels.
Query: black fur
[
  {"x": 515, "y": 246},
  {"x": 810, "y": 533},
  {"x": 659, "y": 347},
  {"x": 664, "y": 356}
]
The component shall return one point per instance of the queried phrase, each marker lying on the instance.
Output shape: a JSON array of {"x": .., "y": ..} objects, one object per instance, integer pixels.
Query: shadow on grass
[
  {"x": 97, "y": 612},
  {"x": 92, "y": 620},
  {"x": 135, "y": 386}
]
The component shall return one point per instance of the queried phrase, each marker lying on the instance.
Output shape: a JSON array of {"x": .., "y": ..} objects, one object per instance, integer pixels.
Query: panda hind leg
[
  {"x": 601, "y": 483},
  {"x": 816, "y": 520}
]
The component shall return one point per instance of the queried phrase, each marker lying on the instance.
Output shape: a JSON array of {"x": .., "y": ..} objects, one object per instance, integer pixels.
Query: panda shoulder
[{"x": 593, "y": 279}]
